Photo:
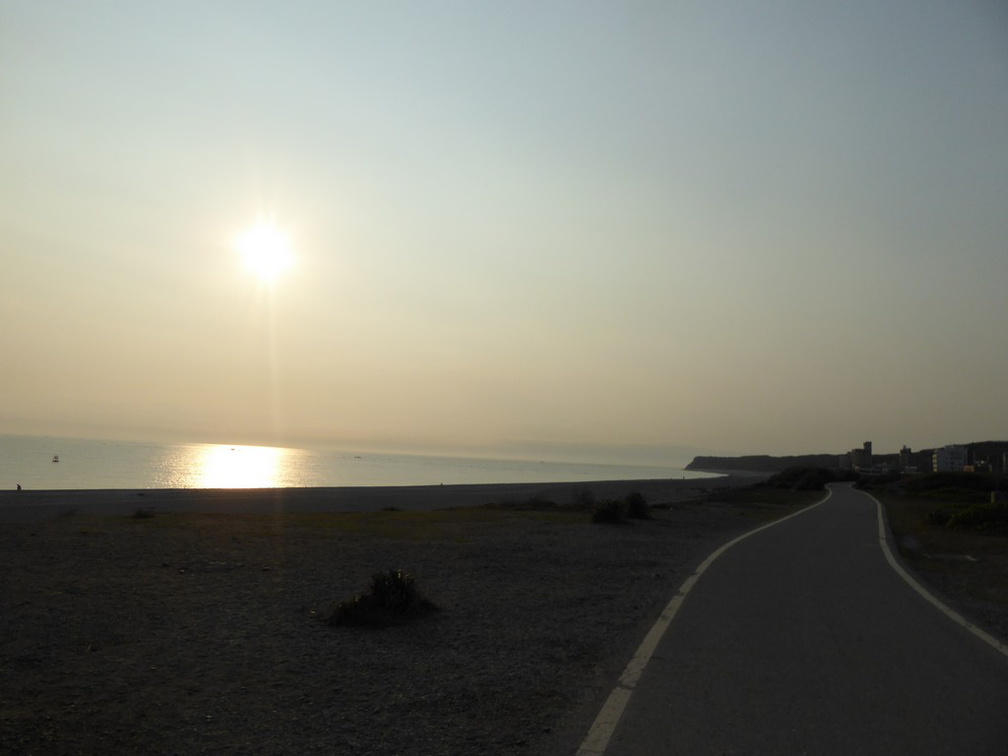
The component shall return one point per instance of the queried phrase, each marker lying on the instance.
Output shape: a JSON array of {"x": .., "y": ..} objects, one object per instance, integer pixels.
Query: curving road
[{"x": 802, "y": 639}]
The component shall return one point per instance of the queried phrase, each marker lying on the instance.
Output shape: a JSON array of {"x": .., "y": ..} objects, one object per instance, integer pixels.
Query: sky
[{"x": 529, "y": 227}]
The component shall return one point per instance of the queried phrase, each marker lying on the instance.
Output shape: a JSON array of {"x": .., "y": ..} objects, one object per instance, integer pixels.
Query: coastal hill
[{"x": 763, "y": 463}]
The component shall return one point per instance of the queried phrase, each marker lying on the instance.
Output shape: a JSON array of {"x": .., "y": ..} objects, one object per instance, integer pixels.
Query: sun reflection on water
[{"x": 239, "y": 467}]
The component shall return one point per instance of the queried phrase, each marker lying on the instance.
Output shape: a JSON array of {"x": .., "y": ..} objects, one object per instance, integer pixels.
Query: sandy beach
[{"x": 201, "y": 629}]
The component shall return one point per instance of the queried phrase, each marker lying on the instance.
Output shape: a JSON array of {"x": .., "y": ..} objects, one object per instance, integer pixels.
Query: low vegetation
[
  {"x": 609, "y": 511},
  {"x": 634, "y": 506},
  {"x": 946, "y": 526},
  {"x": 765, "y": 503},
  {"x": 393, "y": 598},
  {"x": 532, "y": 504},
  {"x": 803, "y": 479},
  {"x": 959, "y": 487},
  {"x": 954, "y": 501},
  {"x": 981, "y": 517}
]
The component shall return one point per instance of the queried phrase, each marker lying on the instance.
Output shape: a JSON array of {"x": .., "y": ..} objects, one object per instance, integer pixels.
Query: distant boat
[{"x": 55, "y": 457}]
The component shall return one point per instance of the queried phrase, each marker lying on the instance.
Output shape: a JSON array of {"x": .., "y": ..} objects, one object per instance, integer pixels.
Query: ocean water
[{"x": 95, "y": 464}]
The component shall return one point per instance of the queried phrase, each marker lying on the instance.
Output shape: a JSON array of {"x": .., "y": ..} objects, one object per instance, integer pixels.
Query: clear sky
[{"x": 776, "y": 227}]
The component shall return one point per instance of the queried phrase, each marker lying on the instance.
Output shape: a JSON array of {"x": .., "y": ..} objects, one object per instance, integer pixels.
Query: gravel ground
[
  {"x": 975, "y": 591},
  {"x": 195, "y": 633},
  {"x": 198, "y": 633}
]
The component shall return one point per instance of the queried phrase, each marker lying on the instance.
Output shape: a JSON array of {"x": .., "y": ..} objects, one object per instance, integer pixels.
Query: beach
[
  {"x": 193, "y": 621},
  {"x": 26, "y": 506}
]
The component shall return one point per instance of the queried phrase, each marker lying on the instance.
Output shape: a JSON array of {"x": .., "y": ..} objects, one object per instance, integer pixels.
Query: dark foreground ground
[{"x": 193, "y": 622}]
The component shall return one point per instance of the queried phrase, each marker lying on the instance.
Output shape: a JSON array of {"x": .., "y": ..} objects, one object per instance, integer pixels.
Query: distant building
[
  {"x": 861, "y": 459},
  {"x": 907, "y": 461},
  {"x": 950, "y": 458}
]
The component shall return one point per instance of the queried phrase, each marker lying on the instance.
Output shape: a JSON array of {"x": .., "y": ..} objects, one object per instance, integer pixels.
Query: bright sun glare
[{"x": 265, "y": 250}]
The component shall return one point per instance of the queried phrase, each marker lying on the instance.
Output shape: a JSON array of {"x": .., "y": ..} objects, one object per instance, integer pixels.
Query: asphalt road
[{"x": 802, "y": 639}]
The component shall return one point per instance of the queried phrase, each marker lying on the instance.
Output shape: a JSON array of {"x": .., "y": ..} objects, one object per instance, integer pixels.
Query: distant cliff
[{"x": 762, "y": 462}]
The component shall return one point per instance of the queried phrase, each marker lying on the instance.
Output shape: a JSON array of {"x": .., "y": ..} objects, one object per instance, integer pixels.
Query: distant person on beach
[{"x": 19, "y": 486}]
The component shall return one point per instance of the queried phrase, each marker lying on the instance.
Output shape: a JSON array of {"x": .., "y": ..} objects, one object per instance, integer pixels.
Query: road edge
[
  {"x": 884, "y": 534},
  {"x": 602, "y": 729}
]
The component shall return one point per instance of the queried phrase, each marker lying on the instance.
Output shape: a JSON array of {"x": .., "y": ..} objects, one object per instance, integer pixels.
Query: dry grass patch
[
  {"x": 976, "y": 560},
  {"x": 766, "y": 504}
]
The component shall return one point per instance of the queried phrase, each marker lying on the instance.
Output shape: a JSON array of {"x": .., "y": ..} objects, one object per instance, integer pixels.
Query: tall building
[{"x": 861, "y": 459}]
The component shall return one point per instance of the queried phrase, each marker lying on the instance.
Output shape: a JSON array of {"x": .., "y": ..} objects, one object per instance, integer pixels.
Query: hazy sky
[{"x": 774, "y": 227}]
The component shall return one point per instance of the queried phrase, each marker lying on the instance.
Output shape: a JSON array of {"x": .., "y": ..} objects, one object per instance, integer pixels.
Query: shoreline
[{"x": 30, "y": 505}]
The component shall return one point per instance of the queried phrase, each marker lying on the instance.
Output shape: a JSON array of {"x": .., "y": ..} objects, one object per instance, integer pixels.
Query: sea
[{"x": 51, "y": 463}]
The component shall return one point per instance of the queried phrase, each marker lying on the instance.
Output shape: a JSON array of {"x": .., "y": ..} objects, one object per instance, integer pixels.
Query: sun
[{"x": 265, "y": 250}]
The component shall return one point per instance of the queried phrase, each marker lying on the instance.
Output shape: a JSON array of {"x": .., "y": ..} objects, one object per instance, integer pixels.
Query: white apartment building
[{"x": 949, "y": 459}]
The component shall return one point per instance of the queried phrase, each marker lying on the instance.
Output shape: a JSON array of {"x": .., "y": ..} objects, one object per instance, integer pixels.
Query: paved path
[{"x": 802, "y": 639}]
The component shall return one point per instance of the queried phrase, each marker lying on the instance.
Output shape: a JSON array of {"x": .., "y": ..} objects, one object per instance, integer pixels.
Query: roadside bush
[
  {"x": 950, "y": 486},
  {"x": 609, "y": 511},
  {"x": 393, "y": 599},
  {"x": 979, "y": 517},
  {"x": 637, "y": 506}
]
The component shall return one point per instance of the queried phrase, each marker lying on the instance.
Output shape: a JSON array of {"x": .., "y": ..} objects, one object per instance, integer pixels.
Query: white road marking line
[
  {"x": 612, "y": 710},
  {"x": 952, "y": 615}
]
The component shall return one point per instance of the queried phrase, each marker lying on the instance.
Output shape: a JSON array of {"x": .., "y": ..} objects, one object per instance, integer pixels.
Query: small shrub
[
  {"x": 938, "y": 517},
  {"x": 608, "y": 511},
  {"x": 393, "y": 598},
  {"x": 637, "y": 506}
]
